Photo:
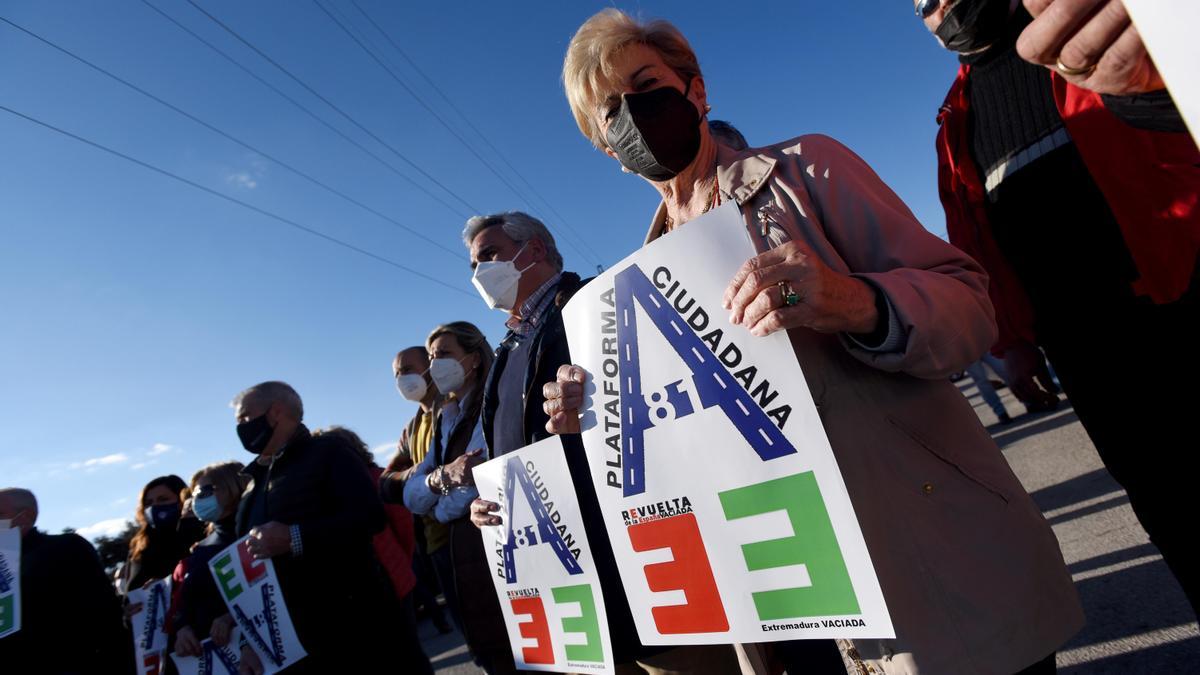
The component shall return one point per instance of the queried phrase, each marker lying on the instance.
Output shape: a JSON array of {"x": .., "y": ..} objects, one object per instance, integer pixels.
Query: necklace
[{"x": 714, "y": 199}]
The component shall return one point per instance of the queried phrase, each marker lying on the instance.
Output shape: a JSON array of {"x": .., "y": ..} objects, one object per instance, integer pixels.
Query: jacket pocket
[{"x": 946, "y": 458}]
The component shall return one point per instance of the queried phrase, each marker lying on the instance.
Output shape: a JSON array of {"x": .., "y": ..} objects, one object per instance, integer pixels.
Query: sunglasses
[
  {"x": 925, "y": 8},
  {"x": 204, "y": 490}
]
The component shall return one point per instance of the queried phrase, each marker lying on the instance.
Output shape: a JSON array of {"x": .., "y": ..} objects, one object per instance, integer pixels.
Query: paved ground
[{"x": 1138, "y": 620}]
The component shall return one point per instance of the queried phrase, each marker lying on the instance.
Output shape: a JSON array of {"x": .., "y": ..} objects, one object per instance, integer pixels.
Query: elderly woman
[{"x": 879, "y": 313}]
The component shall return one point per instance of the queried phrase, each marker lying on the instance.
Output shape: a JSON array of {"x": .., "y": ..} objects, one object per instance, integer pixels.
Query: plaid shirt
[{"x": 533, "y": 309}]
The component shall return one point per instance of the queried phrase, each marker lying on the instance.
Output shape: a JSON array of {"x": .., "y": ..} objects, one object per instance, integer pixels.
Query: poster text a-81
[{"x": 726, "y": 509}]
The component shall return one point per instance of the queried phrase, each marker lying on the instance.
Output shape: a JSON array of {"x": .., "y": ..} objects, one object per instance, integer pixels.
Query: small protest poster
[
  {"x": 149, "y": 634},
  {"x": 252, "y": 594},
  {"x": 213, "y": 660},
  {"x": 542, "y": 567},
  {"x": 10, "y": 581},
  {"x": 725, "y": 506}
]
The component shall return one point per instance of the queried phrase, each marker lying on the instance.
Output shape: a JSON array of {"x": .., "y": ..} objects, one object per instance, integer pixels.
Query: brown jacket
[{"x": 971, "y": 572}]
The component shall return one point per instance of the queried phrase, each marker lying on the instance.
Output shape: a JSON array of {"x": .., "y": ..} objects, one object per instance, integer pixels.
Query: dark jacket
[
  {"x": 70, "y": 615},
  {"x": 163, "y": 552},
  {"x": 549, "y": 351},
  {"x": 334, "y": 590},
  {"x": 199, "y": 600}
]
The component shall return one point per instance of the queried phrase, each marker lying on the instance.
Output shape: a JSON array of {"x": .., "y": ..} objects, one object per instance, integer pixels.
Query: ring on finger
[
  {"x": 788, "y": 294},
  {"x": 1073, "y": 72}
]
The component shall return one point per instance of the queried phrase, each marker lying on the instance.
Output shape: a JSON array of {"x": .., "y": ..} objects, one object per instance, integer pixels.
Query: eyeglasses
[
  {"x": 204, "y": 490},
  {"x": 925, "y": 8}
]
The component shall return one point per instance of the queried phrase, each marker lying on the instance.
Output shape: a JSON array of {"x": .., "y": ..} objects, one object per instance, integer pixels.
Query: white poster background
[
  {"x": 214, "y": 661},
  {"x": 1168, "y": 27},
  {"x": 10, "y": 580},
  {"x": 703, "y": 454},
  {"x": 539, "y": 568},
  {"x": 149, "y": 635},
  {"x": 251, "y": 591}
]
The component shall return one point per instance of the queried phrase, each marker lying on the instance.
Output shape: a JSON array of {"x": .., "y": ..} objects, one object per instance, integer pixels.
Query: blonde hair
[{"x": 587, "y": 68}]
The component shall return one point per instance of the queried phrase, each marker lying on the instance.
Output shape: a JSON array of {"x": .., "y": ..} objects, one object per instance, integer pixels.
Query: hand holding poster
[
  {"x": 213, "y": 660},
  {"x": 252, "y": 594},
  {"x": 10, "y": 581},
  {"x": 728, "y": 515},
  {"x": 149, "y": 634},
  {"x": 544, "y": 572}
]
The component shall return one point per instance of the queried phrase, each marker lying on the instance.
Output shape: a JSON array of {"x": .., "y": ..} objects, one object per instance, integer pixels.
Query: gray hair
[
  {"x": 727, "y": 134},
  {"x": 266, "y": 393},
  {"x": 520, "y": 227},
  {"x": 20, "y": 499}
]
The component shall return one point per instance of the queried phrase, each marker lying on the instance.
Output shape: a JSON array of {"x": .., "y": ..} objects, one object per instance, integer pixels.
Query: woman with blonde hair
[
  {"x": 460, "y": 358},
  {"x": 879, "y": 312},
  {"x": 199, "y": 611}
]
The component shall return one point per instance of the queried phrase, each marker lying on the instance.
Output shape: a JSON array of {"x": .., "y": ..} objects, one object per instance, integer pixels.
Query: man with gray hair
[
  {"x": 313, "y": 509},
  {"x": 62, "y": 582}
]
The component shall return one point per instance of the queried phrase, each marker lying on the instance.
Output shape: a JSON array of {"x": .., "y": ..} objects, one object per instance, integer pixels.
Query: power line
[
  {"x": 331, "y": 104},
  {"x": 230, "y": 137},
  {"x": 391, "y": 72},
  {"x": 468, "y": 122},
  {"x": 239, "y": 202},
  {"x": 306, "y": 110}
]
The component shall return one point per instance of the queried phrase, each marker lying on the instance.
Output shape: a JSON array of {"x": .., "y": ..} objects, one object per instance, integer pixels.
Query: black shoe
[{"x": 1005, "y": 418}]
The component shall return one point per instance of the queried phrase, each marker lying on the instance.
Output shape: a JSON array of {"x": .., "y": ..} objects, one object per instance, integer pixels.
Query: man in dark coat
[
  {"x": 70, "y": 615},
  {"x": 313, "y": 509}
]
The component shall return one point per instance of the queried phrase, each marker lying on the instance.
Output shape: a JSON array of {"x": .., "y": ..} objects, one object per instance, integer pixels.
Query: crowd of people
[{"x": 1070, "y": 188}]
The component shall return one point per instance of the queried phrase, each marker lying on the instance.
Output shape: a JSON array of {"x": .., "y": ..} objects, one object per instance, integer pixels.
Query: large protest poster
[
  {"x": 727, "y": 512},
  {"x": 10, "y": 581},
  {"x": 1168, "y": 27},
  {"x": 542, "y": 565},
  {"x": 213, "y": 660},
  {"x": 148, "y": 623},
  {"x": 252, "y": 594}
]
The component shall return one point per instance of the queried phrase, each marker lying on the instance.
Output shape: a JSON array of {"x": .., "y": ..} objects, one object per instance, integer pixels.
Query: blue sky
[{"x": 136, "y": 307}]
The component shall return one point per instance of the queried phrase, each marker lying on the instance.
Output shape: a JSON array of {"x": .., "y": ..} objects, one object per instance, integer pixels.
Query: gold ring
[{"x": 1073, "y": 72}]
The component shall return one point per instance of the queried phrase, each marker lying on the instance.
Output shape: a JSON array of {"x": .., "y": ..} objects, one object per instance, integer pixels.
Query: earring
[
  {"x": 707, "y": 108},
  {"x": 625, "y": 169}
]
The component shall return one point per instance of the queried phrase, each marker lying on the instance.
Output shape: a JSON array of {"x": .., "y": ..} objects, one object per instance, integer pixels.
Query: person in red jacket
[
  {"x": 394, "y": 547},
  {"x": 1082, "y": 205}
]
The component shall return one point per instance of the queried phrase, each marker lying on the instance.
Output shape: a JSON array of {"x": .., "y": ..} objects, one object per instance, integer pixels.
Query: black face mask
[
  {"x": 255, "y": 434},
  {"x": 656, "y": 133},
  {"x": 972, "y": 25},
  {"x": 162, "y": 516}
]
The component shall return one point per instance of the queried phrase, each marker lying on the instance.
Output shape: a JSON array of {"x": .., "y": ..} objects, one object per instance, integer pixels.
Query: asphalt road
[{"x": 1138, "y": 619}]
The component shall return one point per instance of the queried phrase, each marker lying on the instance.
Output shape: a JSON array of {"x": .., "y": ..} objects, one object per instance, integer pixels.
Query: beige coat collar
[{"x": 740, "y": 175}]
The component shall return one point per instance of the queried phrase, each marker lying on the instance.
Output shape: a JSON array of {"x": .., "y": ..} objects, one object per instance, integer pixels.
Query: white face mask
[
  {"x": 412, "y": 386},
  {"x": 448, "y": 374},
  {"x": 497, "y": 282}
]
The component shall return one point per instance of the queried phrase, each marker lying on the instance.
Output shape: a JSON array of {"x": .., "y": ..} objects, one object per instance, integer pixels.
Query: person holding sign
[
  {"x": 200, "y": 611},
  {"x": 313, "y": 510},
  {"x": 62, "y": 584},
  {"x": 441, "y": 486},
  {"x": 879, "y": 313},
  {"x": 1082, "y": 207},
  {"x": 536, "y": 344}
]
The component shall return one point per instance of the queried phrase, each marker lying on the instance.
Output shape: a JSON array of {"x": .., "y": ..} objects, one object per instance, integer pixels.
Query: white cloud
[
  {"x": 142, "y": 465},
  {"x": 97, "y": 462},
  {"x": 383, "y": 453},
  {"x": 242, "y": 179},
  {"x": 160, "y": 449},
  {"x": 104, "y": 528}
]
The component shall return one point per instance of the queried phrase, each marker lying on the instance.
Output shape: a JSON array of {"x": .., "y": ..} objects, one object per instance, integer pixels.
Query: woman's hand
[
  {"x": 1095, "y": 42},
  {"x": 250, "y": 665},
  {"x": 458, "y": 473},
  {"x": 564, "y": 398},
  {"x": 481, "y": 511},
  {"x": 132, "y": 608},
  {"x": 186, "y": 643},
  {"x": 827, "y": 301},
  {"x": 222, "y": 629}
]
